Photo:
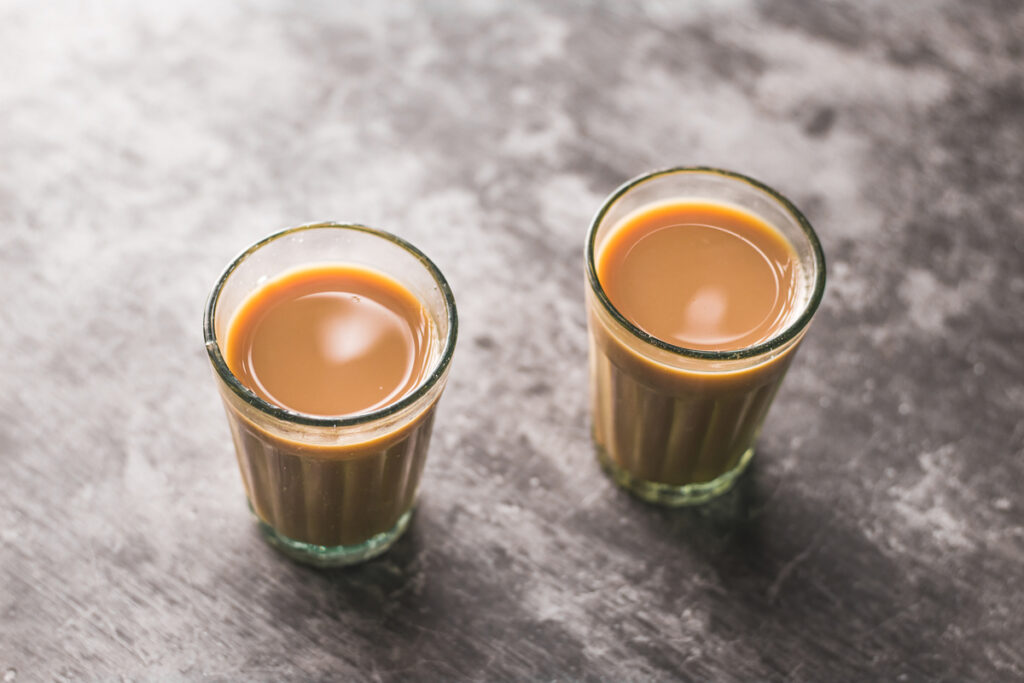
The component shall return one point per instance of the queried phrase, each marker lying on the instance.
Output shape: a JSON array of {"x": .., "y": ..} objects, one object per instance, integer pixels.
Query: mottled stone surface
[{"x": 880, "y": 534}]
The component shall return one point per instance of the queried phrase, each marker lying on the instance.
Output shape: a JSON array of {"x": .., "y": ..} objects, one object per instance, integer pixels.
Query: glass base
[
  {"x": 668, "y": 494},
  {"x": 333, "y": 555}
]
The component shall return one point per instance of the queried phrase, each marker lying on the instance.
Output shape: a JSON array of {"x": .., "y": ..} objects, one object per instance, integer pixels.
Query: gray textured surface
[{"x": 880, "y": 534}]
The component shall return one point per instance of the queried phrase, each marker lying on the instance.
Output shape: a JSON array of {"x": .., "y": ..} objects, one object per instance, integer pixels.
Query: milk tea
[
  {"x": 331, "y": 341},
  {"x": 704, "y": 276}
]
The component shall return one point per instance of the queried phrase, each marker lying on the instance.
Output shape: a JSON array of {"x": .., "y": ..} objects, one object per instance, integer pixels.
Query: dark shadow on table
[
  {"x": 390, "y": 616},
  {"x": 802, "y": 585}
]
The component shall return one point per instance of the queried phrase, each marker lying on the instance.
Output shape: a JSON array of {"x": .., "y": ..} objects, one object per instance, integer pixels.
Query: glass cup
[
  {"x": 331, "y": 491},
  {"x": 673, "y": 425}
]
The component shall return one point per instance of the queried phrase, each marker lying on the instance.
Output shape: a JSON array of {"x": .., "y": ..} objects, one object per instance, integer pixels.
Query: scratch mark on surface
[{"x": 788, "y": 568}]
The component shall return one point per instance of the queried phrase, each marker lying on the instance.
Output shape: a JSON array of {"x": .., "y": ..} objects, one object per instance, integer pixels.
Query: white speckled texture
[{"x": 880, "y": 534}]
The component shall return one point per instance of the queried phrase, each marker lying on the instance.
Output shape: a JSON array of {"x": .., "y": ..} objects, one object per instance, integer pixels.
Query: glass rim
[
  {"x": 776, "y": 340},
  {"x": 306, "y": 419}
]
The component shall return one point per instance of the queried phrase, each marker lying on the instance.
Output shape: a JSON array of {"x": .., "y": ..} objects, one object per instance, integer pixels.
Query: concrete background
[{"x": 881, "y": 531}]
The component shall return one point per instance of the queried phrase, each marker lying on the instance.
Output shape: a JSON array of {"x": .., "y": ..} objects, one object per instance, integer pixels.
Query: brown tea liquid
[
  {"x": 701, "y": 275},
  {"x": 331, "y": 340}
]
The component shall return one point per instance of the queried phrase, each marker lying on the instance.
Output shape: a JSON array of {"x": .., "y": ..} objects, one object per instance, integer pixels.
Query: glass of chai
[
  {"x": 331, "y": 346},
  {"x": 701, "y": 285}
]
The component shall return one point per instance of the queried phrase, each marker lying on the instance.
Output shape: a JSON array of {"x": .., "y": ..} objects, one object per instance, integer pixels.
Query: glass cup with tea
[
  {"x": 331, "y": 345},
  {"x": 701, "y": 286}
]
